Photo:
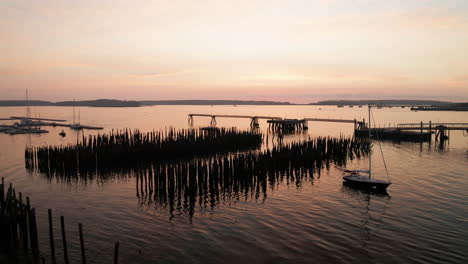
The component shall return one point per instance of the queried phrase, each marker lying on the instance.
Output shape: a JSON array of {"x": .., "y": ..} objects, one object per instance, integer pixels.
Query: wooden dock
[
  {"x": 414, "y": 131},
  {"x": 393, "y": 134},
  {"x": 253, "y": 123},
  {"x": 39, "y": 119},
  {"x": 405, "y": 131},
  {"x": 276, "y": 122}
]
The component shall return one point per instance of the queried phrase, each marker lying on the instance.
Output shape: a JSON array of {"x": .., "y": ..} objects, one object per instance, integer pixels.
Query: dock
[
  {"x": 405, "y": 131},
  {"x": 414, "y": 131},
  {"x": 393, "y": 134},
  {"x": 40, "y": 119},
  {"x": 32, "y": 125},
  {"x": 253, "y": 123},
  {"x": 278, "y": 123}
]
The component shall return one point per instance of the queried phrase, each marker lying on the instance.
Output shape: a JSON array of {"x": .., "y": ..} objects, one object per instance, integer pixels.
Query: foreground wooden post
[
  {"x": 83, "y": 256},
  {"x": 64, "y": 240},
  {"x": 2, "y": 192},
  {"x": 51, "y": 238},
  {"x": 116, "y": 253}
]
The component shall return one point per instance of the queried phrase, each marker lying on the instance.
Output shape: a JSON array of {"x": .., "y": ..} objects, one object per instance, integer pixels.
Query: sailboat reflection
[{"x": 373, "y": 205}]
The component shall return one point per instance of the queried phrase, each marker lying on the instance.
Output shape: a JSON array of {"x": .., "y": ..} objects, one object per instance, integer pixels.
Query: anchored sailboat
[
  {"x": 76, "y": 125},
  {"x": 363, "y": 178}
]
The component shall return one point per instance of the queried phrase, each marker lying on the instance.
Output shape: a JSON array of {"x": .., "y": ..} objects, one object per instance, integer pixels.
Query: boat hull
[{"x": 362, "y": 182}]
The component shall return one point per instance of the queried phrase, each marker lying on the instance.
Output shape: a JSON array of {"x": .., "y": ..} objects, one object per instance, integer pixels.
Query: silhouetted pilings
[
  {"x": 287, "y": 125},
  {"x": 18, "y": 230},
  {"x": 18, "y": 227},
  {"x": 181, "y": 186},
  {"x": 208, "y": 180},
  {"x": 128, "y": 147}
]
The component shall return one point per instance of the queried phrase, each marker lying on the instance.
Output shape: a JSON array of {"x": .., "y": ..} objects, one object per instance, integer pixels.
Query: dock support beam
[
  {"x": 190, "y": 120},
  {"x": 254, "y": 123},
  {"x": 213, "y": 121}
]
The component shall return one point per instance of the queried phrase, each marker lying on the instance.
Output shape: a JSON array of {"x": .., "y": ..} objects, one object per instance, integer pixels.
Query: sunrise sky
[{"x": 297, "y": 51}]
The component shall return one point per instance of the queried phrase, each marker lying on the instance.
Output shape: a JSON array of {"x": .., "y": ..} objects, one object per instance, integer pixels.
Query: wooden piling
[
  {"x": 35, "y": 240},
  {"x": 83, "y": 255},
  {"x": 64, "y": 240},
  {"x": 116, "y": 253},
  {"x": 51, "y": 237}
]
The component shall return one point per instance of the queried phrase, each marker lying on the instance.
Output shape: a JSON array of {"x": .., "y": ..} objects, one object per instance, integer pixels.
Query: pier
[
  {"x": 414, "y": 131},
  {"x": 253, "y": 123},
  {"x": 39, "y": 119},
  {"x": 29, "y": 125},
  {"x": 278, "y": 123},
  {"x": 405, "y": 131}
]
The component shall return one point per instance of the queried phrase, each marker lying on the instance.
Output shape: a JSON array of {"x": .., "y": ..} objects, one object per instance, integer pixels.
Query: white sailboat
[
  {"x": 76, "y": 125},
  {"x": 363, "y": 178}
]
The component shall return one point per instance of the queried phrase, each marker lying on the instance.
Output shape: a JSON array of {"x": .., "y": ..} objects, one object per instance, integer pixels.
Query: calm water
[{"x": 424, "y": 219}]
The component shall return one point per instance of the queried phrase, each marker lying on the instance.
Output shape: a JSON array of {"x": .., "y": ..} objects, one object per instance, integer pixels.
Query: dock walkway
[{"x": 276, "y": 121}]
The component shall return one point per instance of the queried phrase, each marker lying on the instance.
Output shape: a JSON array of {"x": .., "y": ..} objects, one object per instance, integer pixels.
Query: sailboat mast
[
  {"x": 28, "y": 110},
  {"x": 74, "y": 106},
  {"x": 370, "y": 154}
]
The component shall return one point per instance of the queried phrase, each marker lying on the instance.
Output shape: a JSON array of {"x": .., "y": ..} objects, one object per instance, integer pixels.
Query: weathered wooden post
[
  {"x": 51, "y": 237},
  {"x": 64, "y": 240},
  {"x": 116, "y": 253},
  {"x": 83, "y": 256},
  {"x": 2, "y": 192},
  {"x": 35, "y": 240}
]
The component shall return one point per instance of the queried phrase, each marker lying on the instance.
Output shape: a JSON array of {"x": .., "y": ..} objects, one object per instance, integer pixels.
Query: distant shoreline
[{"x": 123, "y": 103}]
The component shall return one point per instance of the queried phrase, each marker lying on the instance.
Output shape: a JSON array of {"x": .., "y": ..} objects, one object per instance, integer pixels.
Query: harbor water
[{"x": 423, "y": 219}]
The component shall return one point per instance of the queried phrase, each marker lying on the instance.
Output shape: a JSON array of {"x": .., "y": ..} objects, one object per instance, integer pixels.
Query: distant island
[
  {"x": 423, "y": 105},
  {"x": 120, "y": 103},
  {"x": 384, "y": 102},
  {"x": 211, "y": 102},
  {"x": 92, "y": 103}
]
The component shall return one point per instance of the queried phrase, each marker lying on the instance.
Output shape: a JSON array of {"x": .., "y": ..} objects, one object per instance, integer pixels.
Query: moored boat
[{"x": 363, "y": 178}]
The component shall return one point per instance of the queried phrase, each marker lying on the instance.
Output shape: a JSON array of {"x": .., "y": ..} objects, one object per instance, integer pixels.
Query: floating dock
[
  {"x": 393, "y": 134},
  {"x": 413, "y": 131}
]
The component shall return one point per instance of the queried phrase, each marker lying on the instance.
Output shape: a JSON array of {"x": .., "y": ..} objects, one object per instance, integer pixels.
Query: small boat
[
  {"x": 363, "y": 178},
  {"x": 22, "y": 130},
  {"x": 63, "y": 134},
  {"x": 76, "y": 125}
]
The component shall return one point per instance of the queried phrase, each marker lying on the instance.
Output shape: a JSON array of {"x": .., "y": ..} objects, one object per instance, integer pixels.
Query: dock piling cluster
[
  {"x": 19, "y": 234},
  {"x": 18, "y": 227},
  {"x": 206, "y": 182},
  {"x": 131, "y": 148}
]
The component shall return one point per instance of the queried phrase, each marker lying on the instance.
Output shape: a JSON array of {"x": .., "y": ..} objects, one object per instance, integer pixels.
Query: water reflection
[
  {"x": 373, "y": 206},
  {"x": 206, "y": 182}
]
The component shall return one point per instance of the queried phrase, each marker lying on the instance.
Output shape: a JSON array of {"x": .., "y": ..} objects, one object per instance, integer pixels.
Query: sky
[{"x": 296, "y": 50}]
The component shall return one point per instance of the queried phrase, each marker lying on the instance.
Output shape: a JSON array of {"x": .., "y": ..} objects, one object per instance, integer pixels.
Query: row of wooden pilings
[
  {"x": 127, "y": 147},
  {"x": 207, "y": 178},
  {"x": 180, "y": 186},
  {"x": 19, "y": 235}
]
